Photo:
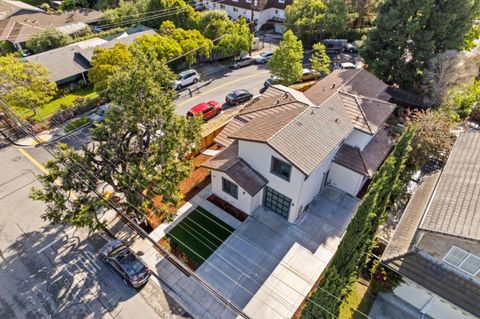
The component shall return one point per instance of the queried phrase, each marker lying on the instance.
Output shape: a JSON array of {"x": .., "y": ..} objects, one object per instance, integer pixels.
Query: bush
[
  {"x": 100, "y": 34},
  {"x": 76, "y": 124},
  {"x": 47, "y": 40},
  {"x": 66, "y": 115}
]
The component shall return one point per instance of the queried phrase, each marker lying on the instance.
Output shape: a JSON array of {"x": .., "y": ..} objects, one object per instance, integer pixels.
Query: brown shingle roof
[
  {"x": 351, "y": 158},
  {"x": 19, "y": 28},
  {"x": 357, "y": 82},
  {"x": 437, "y": 278},
  {"x": 237, "y": 169},
  {"x": 455, "y": 205}
]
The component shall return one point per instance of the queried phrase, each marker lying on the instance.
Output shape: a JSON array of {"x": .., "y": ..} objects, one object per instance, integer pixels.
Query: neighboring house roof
[
  {"x": 237, "y": 169},
  {"x": 10, "y": 7},
  {"x": 358, "y": 82},
  {"x": 261, "y": 4},
  {"x": 455, "y": 205},
  {"x": 124, "y": 38},
  {"x": 439, "y": 279},
  {"x": 20, "y": 27},
  {"x": 63, "y": 62}
]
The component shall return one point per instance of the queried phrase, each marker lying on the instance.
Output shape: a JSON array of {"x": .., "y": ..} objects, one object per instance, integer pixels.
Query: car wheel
[
  {"x": 179, "y": 87},
  {"x": 195, "y": 81}
]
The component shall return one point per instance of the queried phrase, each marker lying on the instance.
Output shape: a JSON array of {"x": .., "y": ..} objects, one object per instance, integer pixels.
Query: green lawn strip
[
  {"x": 47, "y": 110},
  {"x": 359, "y": 299},
  {"x": 199, "y": 234},
  {"x": 76, "y": 124}
]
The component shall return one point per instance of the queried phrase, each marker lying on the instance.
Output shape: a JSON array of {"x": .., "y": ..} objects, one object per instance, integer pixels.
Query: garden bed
[
  {"x": 230, "y": 209},
  {"x": 196, "y": 237},
  {"x": 198, "y": 179}
]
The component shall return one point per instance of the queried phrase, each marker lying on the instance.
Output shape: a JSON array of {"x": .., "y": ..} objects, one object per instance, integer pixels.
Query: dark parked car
[
  {"x": 238, "y": 96},
  {"x": 132, "y": 269},
  {"x": 244, "y": 61},
  {"x": 207, "y": 109}
]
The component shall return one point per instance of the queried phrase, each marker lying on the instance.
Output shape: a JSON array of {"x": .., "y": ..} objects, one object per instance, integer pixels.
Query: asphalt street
[{"x": 49, "y": 271}]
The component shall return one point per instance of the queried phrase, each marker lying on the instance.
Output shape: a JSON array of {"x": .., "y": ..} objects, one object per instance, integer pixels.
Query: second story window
[
  {"x": 463, "y": 260},
  {"x": 229, "y": 188},
  {"x": 281, "y": 169}
]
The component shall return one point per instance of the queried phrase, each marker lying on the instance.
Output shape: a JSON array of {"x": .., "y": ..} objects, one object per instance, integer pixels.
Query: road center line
[{"x": 34, "y": 161}]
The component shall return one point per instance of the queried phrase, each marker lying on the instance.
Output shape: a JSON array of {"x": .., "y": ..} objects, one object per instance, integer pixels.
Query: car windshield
[
  {"x": 100, "y": 112},
  {"x": 264, "y": 54},
  {"x": 179, "y": 77},
  {"x": 237, "y": 93},
  {"x": 130, "y": 263}
]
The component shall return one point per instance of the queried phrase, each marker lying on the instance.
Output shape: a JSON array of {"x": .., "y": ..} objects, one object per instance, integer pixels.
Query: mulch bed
[{"x": 230, "y": 209}]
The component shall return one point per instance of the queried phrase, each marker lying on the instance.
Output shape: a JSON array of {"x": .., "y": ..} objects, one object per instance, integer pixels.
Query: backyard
[
  {"x": 67, "y": 101},
  {"x": 196, "y": 237}
]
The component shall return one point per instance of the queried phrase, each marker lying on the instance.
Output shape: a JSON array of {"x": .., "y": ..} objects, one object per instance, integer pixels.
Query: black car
[
  {"x": 238, "y": 96},
  {"x": 133, "y": 271}
]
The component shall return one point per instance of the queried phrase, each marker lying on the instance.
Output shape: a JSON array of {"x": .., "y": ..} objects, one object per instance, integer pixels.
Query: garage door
[{"x": 277, "y": 202}]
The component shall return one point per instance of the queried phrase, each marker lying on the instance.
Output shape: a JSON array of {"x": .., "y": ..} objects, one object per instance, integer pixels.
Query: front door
[{"x": 277, "y": 202}]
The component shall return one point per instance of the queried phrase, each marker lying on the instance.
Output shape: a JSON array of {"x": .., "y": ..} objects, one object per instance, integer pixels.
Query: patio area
[{"x": 268, "y": 266}]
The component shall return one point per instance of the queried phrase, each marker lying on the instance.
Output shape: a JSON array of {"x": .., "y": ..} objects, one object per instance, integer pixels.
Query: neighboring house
[
  {"x": 70, "y": 63},
  {"x": 285, "y": 146},
  {"x": 19, "y": 22},
  {"x": 436, "y": 245},
  {"x": 9, "y": 8},
  {"x": 265, "y": 12}
]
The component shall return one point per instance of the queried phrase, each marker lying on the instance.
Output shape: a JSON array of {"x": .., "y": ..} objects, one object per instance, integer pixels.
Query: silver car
[
  {"x": 244, "y": 61},
  {"x": 186, "y": 78},
  {"x": 263, "y": 57}
]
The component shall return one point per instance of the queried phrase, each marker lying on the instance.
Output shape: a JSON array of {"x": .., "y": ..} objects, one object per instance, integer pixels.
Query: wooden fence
[{"x": 207, "y": 140}]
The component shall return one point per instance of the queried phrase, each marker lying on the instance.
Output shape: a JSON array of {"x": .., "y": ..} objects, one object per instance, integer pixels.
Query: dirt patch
[{"x": 199, "y": 178}]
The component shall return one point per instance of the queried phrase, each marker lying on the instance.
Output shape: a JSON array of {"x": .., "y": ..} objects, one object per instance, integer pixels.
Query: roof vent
[
  {"x": 285, "y": 96},
  {"x": 337, "y": 120},
  {"x": 278, "y": 101},
  {"x": 333, "y": 86},
  {"x": 312, "y": 112}
]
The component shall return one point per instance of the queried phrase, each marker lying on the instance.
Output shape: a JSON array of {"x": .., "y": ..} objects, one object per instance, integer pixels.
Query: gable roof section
[
  {"x": 63, "y": 62},
  {"x": 351, "y": 158},
  {"x": 358, "y": 82},
  {"x": 272, "y": 101},
  {"x": 237, "y": 169},
  {"x": 455, "y": 205},
  {"x": 19, "y": 28},
  {"x": 11, "y": 7}
]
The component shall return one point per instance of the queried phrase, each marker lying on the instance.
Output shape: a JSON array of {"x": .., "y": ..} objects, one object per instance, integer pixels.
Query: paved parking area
[{"x": 268, "y": 266}]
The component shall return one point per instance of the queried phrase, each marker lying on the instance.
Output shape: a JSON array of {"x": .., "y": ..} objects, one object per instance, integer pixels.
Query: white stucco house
[
  {"x": 265, "y": 12},
  {"x": 285, "y": 146},
  {"x": 436, "y": 245}
]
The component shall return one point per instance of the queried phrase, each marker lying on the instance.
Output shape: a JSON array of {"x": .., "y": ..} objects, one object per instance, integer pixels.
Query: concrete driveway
[{"x": 268, "y": 266}]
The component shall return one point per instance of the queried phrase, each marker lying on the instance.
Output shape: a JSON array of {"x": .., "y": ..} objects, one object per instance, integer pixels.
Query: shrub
[{"x": 76, "y": 124}]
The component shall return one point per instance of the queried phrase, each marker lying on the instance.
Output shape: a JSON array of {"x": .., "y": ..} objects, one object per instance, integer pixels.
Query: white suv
[{"x": 185, "y": 78}]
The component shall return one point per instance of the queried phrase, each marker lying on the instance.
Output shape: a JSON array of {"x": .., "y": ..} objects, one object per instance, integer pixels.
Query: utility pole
[{"x": 252, "y": 23}]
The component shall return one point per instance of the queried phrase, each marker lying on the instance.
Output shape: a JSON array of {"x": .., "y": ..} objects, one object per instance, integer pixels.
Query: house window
[
  {"x": 235, "y": 9},
  {"x": 222, "y": 6},
  {"x": 229, "y": 188},
  {"x": 276, "y": 11},
  {"x": 463, "y": 260},
  {"x": 281, "y": 169}
]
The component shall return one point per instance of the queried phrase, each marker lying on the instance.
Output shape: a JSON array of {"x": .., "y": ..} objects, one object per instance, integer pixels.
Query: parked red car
[{"x": 207, "y": 109}]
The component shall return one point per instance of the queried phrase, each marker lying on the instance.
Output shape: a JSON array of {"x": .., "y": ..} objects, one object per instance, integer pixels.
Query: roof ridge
[
  {"x": 289, "y": 122},
  {"x": 363, "y": 114},
  {"x": 359, "y": 71},
  {"x": 363, "y": 161},
  {"x": 269, "y": 107},
  {"x": 364, "y": 97}
]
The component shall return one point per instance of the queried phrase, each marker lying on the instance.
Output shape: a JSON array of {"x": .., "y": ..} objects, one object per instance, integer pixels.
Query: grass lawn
[
  {"x": 49, "y": 109},
  {"x": 199, "y": 234},
  {"x": 360, "y": 298}
]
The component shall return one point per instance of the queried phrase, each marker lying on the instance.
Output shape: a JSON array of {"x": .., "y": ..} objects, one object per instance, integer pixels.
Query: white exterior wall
[
  {"x": 313, "y": 184},
  {"x": 259, "y": 156},
  {"x": 244, "y": 202},
  {"x": 345, "y": 179},
  {"x": 237, "y": 12},
  {"x": 428, "y": 303},
  {"x": 358, "y": 138}
]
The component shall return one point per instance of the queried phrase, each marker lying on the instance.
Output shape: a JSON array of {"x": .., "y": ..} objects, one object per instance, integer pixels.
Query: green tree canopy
[
  {"x": 139, "y": 150},
  {"x": 313, "y": 20},
  {"x": 408, "y": 33},
  {"x": 192, "y": 42},
  {"x": 320, "y": 59},
  {"x": 239, "y": 38},
  {"x": 24, "y": 85},
  {"x": 214, "y": 23},
  {"x": 48, "y": 39},
  {"x": 286, "y": 62},
  {"x": 158, "y": 47},
  {"x": 106, "y": 62}
]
